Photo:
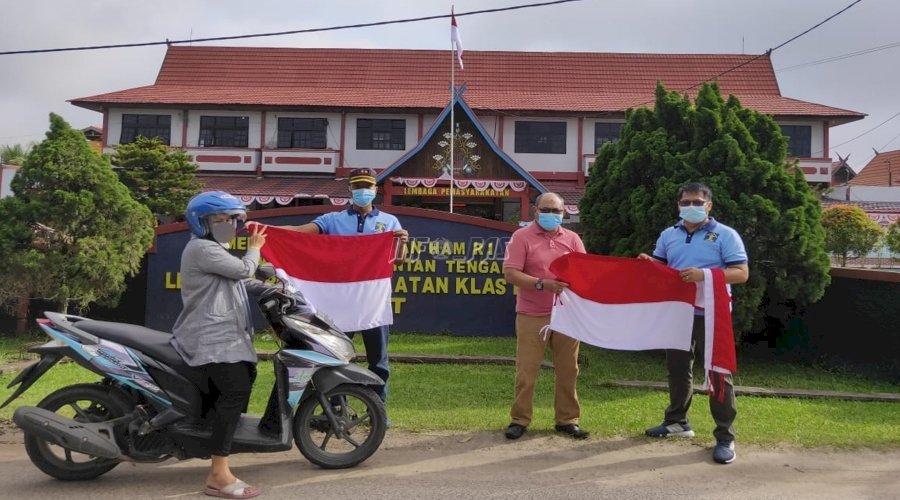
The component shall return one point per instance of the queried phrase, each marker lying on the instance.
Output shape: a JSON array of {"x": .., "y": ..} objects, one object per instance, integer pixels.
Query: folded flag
[
  {"x": 348, "y": 278},
  {"x": 634, "y": 304}
]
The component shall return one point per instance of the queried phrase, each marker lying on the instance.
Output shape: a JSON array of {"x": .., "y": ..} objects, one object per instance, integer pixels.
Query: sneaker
[
  {"x": 724, "y": 452},
  {"x": 665, "y": 430}
]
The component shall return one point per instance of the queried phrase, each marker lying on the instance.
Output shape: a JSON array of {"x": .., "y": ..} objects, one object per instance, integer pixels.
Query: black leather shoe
[
  {"x": 515, "y": 431},
  {"x": 573, "y": 430}
]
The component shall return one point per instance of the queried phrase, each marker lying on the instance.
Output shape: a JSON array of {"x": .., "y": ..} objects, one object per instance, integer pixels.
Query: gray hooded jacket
[{"x": 215, "y": 325}]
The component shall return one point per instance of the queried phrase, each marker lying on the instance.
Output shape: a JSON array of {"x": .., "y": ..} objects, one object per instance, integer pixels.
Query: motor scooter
[{"x": 148, "y": 407}]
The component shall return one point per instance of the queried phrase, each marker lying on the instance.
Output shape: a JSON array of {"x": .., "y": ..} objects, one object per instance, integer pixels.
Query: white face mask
[
  {"x": 363, "y": 197},
  {"x": 692, "y": 214}
]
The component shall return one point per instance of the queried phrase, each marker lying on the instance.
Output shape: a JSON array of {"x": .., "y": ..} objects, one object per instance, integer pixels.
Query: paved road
[{"x": 486, "y": 465}]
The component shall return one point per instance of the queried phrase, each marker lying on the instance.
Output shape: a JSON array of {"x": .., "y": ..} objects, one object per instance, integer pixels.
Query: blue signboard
[{"x": 452, "y": 281}]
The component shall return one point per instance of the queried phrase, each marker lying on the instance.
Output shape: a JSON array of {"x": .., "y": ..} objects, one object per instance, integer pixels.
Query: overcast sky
[{"x": 32, "y": 86}]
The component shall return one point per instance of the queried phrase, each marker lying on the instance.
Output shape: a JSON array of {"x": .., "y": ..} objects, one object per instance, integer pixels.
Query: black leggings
[{"x": 229, "y": 392}]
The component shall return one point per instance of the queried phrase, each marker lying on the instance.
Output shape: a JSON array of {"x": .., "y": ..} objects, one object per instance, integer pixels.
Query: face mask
[
  {"x": 549, "y": 222},
  {"x": 363, "y": 197},
  {"x": 223, "y": 232},
  {"x": 692, "y": 214}
]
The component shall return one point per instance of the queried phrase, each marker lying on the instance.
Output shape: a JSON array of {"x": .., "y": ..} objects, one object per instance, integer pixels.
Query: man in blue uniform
[
  {"x": 362, "y": 218},
  {"x": 696, "y": 242}
]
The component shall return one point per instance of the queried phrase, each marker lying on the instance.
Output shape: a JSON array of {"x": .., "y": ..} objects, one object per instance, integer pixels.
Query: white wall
[
  {"x": 6, "y": 177},
  {"x": 865, "y": 193},
  {"x": 114, "y": 123}
]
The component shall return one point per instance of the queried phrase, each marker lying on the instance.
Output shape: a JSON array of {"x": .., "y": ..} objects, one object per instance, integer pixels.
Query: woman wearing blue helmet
[{"x": 213, "y": 332}]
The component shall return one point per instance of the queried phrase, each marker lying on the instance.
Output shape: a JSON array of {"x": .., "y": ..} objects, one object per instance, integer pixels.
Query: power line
[
  {"x": 292, "y": 32},
  {"x": 867, "y": 131},
  {"x": 766, "y": 53},
  {"x": 838, "y": 58},
  {"x": 860, "y": 135}
]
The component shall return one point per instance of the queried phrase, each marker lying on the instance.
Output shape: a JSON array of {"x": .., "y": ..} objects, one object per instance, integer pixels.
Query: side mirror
[{"x": 265, "y": 271}]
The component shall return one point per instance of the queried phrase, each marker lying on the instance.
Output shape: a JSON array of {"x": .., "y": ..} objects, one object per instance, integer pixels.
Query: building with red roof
[
  {"x": 280, "y": 125},
  {"x": 875, "y": 189}
]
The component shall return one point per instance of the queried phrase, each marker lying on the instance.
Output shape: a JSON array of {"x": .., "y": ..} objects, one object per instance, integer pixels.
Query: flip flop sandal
[{"x": 237, "y": 489}]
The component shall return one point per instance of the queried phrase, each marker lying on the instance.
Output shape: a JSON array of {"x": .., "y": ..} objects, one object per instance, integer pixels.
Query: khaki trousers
[{"x": 530, "y": 347}]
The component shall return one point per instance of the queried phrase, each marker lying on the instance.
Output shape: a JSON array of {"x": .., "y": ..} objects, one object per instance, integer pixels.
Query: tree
[
  {"x": 848, "y": 230},
  {"x": 14, "y": 154},
  {"x": 740, "y": 155},
  {"x": 161, "y": 178},
  {"x": 892, "y": 237},
  {"x": 71, "y": 233}
]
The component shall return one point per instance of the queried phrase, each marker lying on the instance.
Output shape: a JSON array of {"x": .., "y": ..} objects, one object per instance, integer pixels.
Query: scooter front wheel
[{"x": 353, "y": 436}]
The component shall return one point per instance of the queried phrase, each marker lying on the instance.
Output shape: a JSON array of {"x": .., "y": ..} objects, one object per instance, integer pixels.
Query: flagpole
[{"x": 452, "y": 112}]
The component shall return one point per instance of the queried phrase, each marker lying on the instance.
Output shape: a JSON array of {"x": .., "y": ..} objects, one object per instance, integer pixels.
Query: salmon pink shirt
[{"x": 531, "y": 250}]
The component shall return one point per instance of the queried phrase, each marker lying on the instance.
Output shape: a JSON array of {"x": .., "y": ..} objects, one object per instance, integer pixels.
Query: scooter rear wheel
[
  {"x": 358, "y": 411},
  {"x": 82, "y": 403}
]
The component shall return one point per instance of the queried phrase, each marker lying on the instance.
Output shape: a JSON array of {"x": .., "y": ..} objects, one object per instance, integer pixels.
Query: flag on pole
[
  {"x": 633, "y": 304},
  {"x": 455, "y": 39},
  {"x": 348, "y": 278}
]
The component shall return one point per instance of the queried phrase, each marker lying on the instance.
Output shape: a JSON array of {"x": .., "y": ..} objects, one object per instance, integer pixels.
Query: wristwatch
[{"x": 539, "y": 284}]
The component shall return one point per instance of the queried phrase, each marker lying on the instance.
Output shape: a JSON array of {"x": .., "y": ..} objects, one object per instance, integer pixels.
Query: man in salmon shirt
[{"x": 527, "y": 266}]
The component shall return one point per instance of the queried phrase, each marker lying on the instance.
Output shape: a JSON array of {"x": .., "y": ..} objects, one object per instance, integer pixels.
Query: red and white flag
[
  {"x": 634, "y": 305},
  {"x": 455, "y": 39},
  {"x": 348, "y": 278}
]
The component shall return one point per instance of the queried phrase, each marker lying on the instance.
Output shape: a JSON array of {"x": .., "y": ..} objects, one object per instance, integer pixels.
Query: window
[
  {"x": 799, "y": 140},
  {"x": 606, "y": 132},
  {"x": 541, "y": 137},
  {"x": 149, "y": 126},
  {"x": 380, "y": 134},
  {"x": 224, "y": 131},
  {"x": 302, "y": 133}
]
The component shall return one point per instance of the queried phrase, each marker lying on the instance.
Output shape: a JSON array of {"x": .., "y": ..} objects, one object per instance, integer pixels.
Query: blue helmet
[{"x": 208, "y": 203}]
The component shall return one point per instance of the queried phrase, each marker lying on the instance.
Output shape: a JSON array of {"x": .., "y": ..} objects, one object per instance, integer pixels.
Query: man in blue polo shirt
[
  {"x": 362, "y": 218},
  {"x": 696, "y": 242}
]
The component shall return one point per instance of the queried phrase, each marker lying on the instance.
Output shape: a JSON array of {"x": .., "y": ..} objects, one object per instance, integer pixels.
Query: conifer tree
[{"x": 740, "y": 154}]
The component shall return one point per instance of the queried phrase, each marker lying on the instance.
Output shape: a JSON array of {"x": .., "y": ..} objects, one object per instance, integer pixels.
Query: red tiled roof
[
  {"x": 867, "y": 206},
  {"x": 277, "y": 186},
  {"x": 387, "y": 78},
  {"x": 569, "y": 190},
  {"x": 875, "y": 173}
]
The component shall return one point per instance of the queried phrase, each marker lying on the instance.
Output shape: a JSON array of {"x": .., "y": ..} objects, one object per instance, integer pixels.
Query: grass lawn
[{"x": 477, "y": 397}]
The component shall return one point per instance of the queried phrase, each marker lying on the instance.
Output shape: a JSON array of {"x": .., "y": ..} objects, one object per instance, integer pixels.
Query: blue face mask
[
  {"x": 692, "y": 214},
  {"x": 363, "y": 197},
  {"x": 549, "y": 222}
]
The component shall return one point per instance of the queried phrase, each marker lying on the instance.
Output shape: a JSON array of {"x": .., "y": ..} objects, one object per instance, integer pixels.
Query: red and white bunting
[{"x": 498, "y": 185}]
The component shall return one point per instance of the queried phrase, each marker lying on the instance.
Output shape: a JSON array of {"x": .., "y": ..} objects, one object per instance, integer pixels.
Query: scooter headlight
[{"x": 340, "y": 346}]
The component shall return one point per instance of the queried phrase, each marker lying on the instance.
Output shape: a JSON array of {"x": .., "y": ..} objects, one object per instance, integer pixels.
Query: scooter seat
[{"x": 153, "y": 343}]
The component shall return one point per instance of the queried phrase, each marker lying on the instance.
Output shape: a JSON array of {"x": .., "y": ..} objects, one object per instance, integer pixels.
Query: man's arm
[
  {"x": 522, "y": 280},
  {"x": 308, "y": 228},
  {"x": 737, "y": 274}
]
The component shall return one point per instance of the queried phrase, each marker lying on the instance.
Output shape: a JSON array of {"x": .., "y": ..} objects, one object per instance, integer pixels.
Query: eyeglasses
[
  {"x": 545, "y": 210},
  {"x": 696, "y": 203}
]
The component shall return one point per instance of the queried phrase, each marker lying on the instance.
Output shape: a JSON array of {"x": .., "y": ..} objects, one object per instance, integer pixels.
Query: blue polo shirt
[
  {"x": 713, "y": 245},
  {"x": 350, "y": 222}
]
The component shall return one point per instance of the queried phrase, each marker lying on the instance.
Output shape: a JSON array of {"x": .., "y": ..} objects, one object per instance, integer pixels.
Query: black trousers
[
  {"x": 722, "y": 405},
  {"x": 226, "y": 398}
]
